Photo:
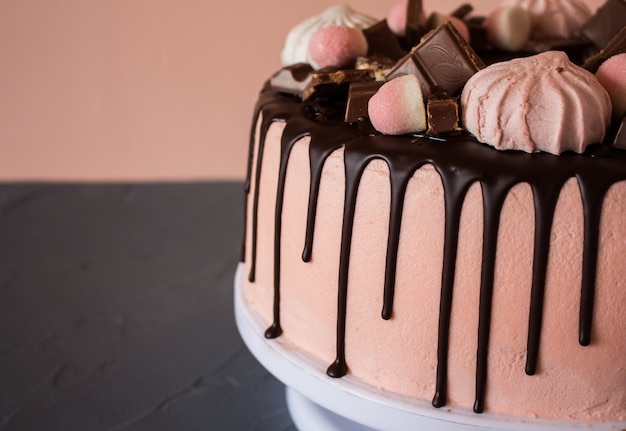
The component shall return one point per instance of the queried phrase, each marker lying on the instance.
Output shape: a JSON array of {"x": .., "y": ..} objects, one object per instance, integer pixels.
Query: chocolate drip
[
  {"x": 318, "y": 153},
  {"x": 545, "y": 198},
  {"x": 494, "y": 194},
  {"x": 454, "y": 192},
  {"x": 460, "y": 162},
  {"x": 291, "y": 134},
  {"x": 593, "y": 191}
]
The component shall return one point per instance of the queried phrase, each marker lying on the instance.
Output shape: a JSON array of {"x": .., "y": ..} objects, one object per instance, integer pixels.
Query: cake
[{"x": 473, "y": 259}]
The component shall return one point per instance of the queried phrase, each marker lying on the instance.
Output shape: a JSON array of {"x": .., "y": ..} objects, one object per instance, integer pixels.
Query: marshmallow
[
  {"x": 336, "y": 46},
  {"x": 508, "y": 28},
  {"x": 398, "y": 108}
]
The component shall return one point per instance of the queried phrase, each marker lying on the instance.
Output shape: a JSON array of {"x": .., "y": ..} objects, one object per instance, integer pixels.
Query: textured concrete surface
[{"x": 116, "y": 311}]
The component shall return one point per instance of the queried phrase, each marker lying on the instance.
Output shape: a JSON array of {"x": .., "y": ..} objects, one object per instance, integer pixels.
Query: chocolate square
[
  {"x": 442, "y": 113},
  {"x": 608, "y": 20},
  {"x": 359, "y": 96},
  {"x": 381, "y": 41},
  {"x": 442, "y": 59}
]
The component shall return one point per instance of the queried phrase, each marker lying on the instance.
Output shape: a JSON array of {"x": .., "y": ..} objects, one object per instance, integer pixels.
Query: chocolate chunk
[
  {"x": 620, "y": 136},
  {"x": 379, "y": 65},
  {"x": 443, "y": 59},
  {"x": 462, "y": 11},
  {"x": 359, "y": 96},
  {"x": 608, "y": 20},
  {"x": 617, "y": 45},
  {"x": 334, "y": 82},
  {"x": 292, "y": 79},
  {"x": 414, "y": 21},
  {"x": 478, "y": 32},
  {"x": 381, "y": 41},
  {"x": 442, "y": 113}
]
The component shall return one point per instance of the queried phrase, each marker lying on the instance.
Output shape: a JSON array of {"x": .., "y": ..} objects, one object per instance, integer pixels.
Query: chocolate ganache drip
[{"x": 461, "y": 162}]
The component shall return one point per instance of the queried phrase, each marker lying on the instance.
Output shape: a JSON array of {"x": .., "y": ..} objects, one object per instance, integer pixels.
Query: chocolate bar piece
[
  {"x": 292, "y": 79},
  {"x": 381, "y": 41},
  {"x": 414, "y": 21},
  {"x": 608, "y": 20},
  {"x": 442, "y": 113},
  {"x": 478, "y": 32},
  {"x": 380, "y": 65},
  {"x": 334, "y": 82},
  {"x": 443, "y": 59},
  {"x": 462, "y": 11},
  {"x": 617, "y": 45},
  {"x": 359, "y": 96}
]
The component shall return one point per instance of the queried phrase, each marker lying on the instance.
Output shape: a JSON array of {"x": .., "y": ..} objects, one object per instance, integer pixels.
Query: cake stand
[{"x": 318, "y": 402}]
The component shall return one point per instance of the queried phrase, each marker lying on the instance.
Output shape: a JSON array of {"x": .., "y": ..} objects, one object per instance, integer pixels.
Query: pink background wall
[{"x": 140, "y": 89}]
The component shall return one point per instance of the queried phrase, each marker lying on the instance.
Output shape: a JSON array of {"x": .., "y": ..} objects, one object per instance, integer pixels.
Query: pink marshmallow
[
  {"x": 396, "y": 18},
  {"x": 337, "y": 46},
  {"x": 612, "y": 76},
  {"x": 508, "y": 27},
  {"x": 398, "y": 107}
]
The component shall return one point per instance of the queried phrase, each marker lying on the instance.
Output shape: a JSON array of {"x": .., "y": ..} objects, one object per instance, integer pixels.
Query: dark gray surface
[{"x": 116, "y": 311}]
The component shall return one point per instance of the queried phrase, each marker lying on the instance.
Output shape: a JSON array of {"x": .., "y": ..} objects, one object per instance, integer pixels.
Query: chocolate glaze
[{"x": 461, "y": 162}]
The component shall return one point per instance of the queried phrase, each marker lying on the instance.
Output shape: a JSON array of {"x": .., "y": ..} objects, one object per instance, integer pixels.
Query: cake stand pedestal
[
  {"x": 318, "y": 402},
  {"x": 309, "y": 416}
]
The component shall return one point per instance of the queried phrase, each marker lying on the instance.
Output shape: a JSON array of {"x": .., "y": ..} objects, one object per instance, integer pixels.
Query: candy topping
[
  {"x": 296, "y": 48},
  {"x": 539, "y": 103},
  {"x": 336, "y": 46},
  {"x": 612, "y": 76},
  {"x": 398, "y": 107}
]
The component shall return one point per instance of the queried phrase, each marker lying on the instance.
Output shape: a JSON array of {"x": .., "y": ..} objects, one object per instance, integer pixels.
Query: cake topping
[
  {"x": 334, "y": 82},
  {"x": 508, "y": 28},
  {"x": 396, "y": 18},
  {"x": 539, "y": 103},
  {"x": 337, "y": 46},
  {"x": 296, "y": 48},
  {"x": 443, "y": 59},
  {"x": 617, "y": 45},
  {"x": 292, "y": 79},
  {"x": 398, "y": 107},
  {"x": 612, "y": 76},
  {"x": 382, "y": 42},
  {"x": 436, "y": 19},
  {"x": 608, "y": 20},
  {"x": 359, "y": 95},
  {"x": 443, "y": 113},
  {"x": 555, "y": 18}
]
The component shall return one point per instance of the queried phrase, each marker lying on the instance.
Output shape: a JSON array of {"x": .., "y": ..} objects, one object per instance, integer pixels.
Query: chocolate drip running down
[{"x": 461, "y": 162}]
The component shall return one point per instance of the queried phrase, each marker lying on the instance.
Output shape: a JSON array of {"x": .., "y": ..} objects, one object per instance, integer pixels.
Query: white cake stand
[{"x": 318, "y": 402}]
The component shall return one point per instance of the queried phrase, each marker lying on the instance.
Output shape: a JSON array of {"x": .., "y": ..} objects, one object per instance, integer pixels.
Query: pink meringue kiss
[
  {"x": 539, "y": 103},
  {"x": 612, "y": 76},
  {"x": 398, "y": 108},
  {"x": 337, "y": 46},
  {"x": 554, "y": 18},
  {"x": 508, "y": 28}
]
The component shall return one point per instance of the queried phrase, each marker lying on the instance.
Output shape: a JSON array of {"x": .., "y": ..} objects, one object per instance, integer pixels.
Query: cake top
[{"x": 543, "y": 97}]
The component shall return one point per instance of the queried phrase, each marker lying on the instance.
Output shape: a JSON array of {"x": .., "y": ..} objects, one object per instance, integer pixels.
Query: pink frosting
[
  {"x": 538, "y": 103},
  {"x": 612, "y": 76}
]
